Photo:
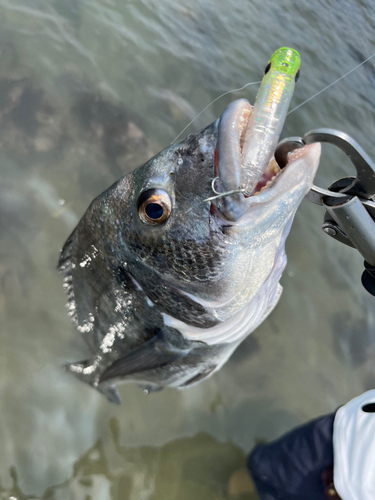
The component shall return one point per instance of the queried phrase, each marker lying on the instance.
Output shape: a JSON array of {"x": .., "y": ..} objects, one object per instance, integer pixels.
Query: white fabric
[{"x": 354, "y": 449}]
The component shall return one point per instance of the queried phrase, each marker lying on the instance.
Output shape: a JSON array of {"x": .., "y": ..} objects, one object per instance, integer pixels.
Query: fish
[{"x": 164, "y": 280}]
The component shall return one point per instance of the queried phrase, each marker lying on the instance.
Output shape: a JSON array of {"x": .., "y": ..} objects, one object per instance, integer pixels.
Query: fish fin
[
  {"x": 155, "y": 353},
  {"x": 90, "y": 378},
  {"x": 200, "y": 376},
  {"x": 110, "y": 392}
]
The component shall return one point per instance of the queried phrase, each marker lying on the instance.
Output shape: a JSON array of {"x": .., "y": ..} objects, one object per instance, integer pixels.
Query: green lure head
[{"x": 286, "y": 61}]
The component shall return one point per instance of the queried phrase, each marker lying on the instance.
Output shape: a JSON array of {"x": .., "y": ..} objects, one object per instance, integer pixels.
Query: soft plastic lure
[{"x": 268, "y": 115}]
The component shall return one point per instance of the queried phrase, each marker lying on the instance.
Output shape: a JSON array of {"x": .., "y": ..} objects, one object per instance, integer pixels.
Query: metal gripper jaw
[{"x": 349, "y": 215}]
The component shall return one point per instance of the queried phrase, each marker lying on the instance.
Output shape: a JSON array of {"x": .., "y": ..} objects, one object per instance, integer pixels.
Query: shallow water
[{"x": 88, "y": 91}]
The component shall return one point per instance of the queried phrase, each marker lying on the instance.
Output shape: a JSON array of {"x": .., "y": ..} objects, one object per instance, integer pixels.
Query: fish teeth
[
  {"x": 267, "y": 184},
  {"x": 274, "y": 166}
]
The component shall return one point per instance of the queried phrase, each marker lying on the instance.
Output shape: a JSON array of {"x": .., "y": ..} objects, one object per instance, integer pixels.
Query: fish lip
[
  {"x": 231, "y": 134},
  {"x": 232, "y": 208},
  {"x": 299, "y": 172}
]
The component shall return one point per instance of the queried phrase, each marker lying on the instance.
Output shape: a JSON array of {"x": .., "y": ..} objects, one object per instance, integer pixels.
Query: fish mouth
[{"x": 232, "y": 129}]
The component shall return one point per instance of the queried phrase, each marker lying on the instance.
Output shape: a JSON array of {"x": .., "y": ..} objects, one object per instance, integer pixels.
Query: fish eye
[
  {"x": 154, "y": 207},
  {"x": 268, "y": 67},
  {"x": 297, "y": 76}
]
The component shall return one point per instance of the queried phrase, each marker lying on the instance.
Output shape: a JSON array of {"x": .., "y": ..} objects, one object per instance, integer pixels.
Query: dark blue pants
[{"x": 291, "y": 467}]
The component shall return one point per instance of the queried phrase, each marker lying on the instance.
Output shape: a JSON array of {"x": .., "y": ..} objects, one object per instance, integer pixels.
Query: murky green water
[{"x": 88, "y": 91}]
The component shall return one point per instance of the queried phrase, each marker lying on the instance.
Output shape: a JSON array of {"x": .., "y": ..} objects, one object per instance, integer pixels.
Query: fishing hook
[{"x": 221, "y": 195}]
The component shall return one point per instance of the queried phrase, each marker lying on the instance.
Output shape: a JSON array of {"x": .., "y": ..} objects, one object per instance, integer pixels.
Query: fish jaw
[
  {"x": 277, "y": 203},
  {"x": 231, "y": 153}
]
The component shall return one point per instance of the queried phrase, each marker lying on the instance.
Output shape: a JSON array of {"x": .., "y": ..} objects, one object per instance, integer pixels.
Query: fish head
[
  {"x": 165, "y": 223},
  {"x": 220, "y": 256}
]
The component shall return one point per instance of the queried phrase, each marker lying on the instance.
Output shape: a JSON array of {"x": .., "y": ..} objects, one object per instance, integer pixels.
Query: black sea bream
[{"x": 164, "y": 285}]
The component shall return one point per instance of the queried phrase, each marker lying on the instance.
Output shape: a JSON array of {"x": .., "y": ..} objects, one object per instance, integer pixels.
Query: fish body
[{"x": 163, "y": 284}]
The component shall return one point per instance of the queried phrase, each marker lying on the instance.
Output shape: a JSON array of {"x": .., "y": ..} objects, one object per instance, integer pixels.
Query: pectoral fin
[{"x": 155, "y": 353}]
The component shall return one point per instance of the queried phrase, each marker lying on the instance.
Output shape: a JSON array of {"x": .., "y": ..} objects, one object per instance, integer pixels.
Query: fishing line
[
  {"x": 291, "y": 111},
  {"x": 208, "y": 105},
  {"x": 330, "y": 85}
]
